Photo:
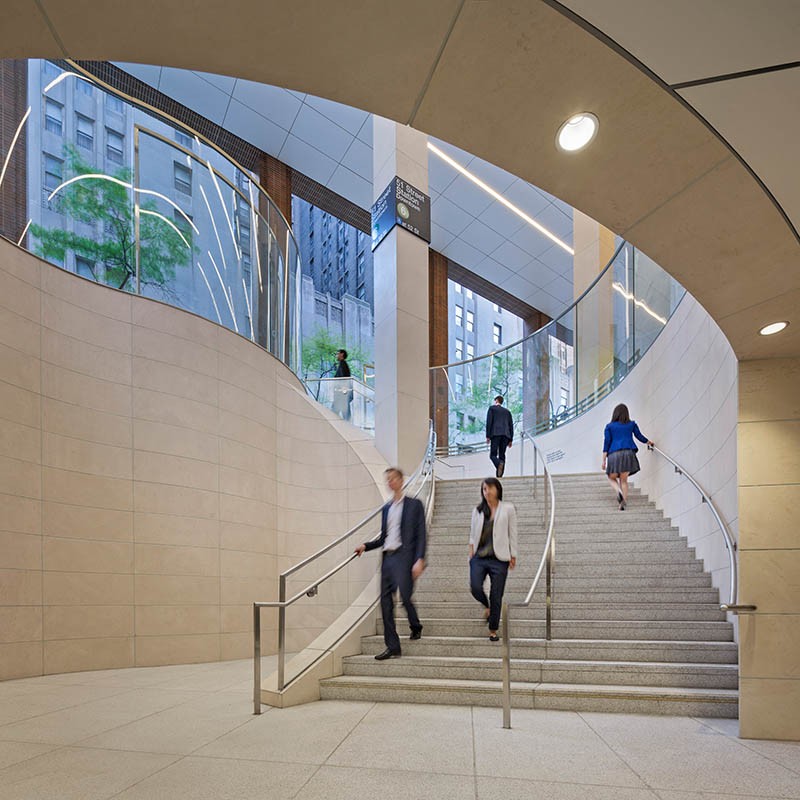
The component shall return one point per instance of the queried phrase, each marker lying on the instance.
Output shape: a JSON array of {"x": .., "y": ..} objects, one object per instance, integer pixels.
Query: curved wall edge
[{"x": 157, "y": 472}]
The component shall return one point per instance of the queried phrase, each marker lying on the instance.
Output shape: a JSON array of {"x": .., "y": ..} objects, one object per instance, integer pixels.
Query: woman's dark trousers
[{"x": 497, "y": 571}]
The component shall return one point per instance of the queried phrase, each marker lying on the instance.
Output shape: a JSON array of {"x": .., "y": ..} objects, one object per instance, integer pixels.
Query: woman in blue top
[{"x": 619, "y": 451}]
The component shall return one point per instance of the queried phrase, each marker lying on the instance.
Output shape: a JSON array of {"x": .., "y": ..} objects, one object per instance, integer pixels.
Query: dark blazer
[
  {"x": 342, "y": 369},
  {"x": 412, "y": 530},
  {"x": 499, "y": 422}
]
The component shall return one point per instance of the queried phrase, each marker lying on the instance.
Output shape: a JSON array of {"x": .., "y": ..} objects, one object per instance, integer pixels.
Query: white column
[{"x": 401, "y": 305}]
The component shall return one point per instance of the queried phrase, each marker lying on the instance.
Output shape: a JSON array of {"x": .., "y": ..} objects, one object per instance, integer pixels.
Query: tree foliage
[
  {"x": 319, "y": 355},
  {"x": 479, "y": 390},
  {"x": 99, "y": 202}
]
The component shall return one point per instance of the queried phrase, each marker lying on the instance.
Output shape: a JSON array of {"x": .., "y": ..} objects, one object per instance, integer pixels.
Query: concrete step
[
  {"x": 441, "y": 555},
  {"x": 626, "y": 673},
  {"x": 644, "y": 597},
  {"x": 439, "y": 579},
  {"x": 721, "y": 703},
  {"x": 598, "y": 609},
  {"x": 588, "y": 629},
  {"x": 574, "y": 549},
  {"x": 571, "y": 649}
]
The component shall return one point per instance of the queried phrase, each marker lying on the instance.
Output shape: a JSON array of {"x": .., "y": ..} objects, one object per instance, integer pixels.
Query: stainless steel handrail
[
  {"x": 547, "y": 565},
  {"x": 730, "y": 544},
  {"x": 425, "y": 471}
]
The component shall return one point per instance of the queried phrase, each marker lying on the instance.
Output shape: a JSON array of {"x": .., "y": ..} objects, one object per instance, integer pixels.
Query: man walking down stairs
[{"x": 636, "y": 622}]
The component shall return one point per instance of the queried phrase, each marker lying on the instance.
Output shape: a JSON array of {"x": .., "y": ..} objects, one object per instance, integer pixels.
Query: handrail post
[
  {"x": 256, "y": 658},
  {"x": 548, "y": 624},
  {"x": 535, "y": 468},
  {"x": 281, "y": 633},
  {"x": 506, "y": 670}
]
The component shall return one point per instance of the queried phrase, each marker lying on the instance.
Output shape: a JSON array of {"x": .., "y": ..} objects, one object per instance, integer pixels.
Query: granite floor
[{"x": 188, "y": 732}]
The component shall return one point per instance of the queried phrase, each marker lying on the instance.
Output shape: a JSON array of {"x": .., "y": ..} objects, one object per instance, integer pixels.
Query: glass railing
[
  {"x": 108, "y": 188},
  {"x": 564, "y": 368},
  {"x": 351, "y": 399}
]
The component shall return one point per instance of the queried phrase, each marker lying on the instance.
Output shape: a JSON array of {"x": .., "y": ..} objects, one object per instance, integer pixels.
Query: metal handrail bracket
[
  {"x": 423, "y": 474},
  {"x": 546, "y": 565}
]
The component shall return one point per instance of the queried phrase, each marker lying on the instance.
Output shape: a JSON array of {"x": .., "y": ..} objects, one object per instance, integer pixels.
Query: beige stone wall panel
[{"x": 157, "y": 471}]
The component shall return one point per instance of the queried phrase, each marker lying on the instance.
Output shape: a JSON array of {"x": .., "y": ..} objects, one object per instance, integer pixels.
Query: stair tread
[
  {"x": 575, "y": 642},
  {"x": 550, "y": 662},
  {"x": 496, "y": 686}
]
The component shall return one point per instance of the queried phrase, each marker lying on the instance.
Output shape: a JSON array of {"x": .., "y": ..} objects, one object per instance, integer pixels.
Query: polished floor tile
[{"x": 188, "y": 733}]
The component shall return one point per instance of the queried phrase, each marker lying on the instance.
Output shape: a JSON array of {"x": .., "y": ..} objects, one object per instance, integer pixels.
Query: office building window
[
  {"x": 53, "y": 117},
  {"x": 115, "y": 147},
  {"x": 114, "y": 104},
  {"x": 497, "y": 333},
  {"x": 85, "y": 132},
  {"x": 459, "y": 392},
  {"x": 497, "y": 309},
  {"x": 182, "y": 178},
  {"x": 51, "y": 70},
  {"x": 469, "y": 294},
  {"x": 470, "y": 350},
  {"x": 470, "y": 321},
  {"x": 459, "y": 349},
  {"x": 459, "y": 316},
  {"x": 84, "y": 87},
  {"x": 457, "y": 287},
  {"x": 185, "y": 140},
  {"x": 84, "y": 267},
  {"x": 53, "y": 175}
]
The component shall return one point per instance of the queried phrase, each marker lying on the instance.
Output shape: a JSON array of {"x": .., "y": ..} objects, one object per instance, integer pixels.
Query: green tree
[
  {"x": 478, "y": 394},
  {"x": 98, "y": 200},
  {"x": 319, "y": 355}
]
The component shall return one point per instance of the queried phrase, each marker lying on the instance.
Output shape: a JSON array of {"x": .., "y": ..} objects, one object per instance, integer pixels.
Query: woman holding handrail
[
  {"x": 492, "y": 550},
  {"x": 619, "y": 452}
]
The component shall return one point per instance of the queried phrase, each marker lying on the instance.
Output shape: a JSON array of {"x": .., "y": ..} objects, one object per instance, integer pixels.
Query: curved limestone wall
[{"x": 156, "y": 473}]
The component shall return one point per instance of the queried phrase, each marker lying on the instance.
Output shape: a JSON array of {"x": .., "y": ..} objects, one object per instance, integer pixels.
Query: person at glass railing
[
  {"x": 619, "y": 452},
  {"x": 499, "y": 434},
  {"x": 402, "y": 542},
  {"x": 343, "y": 389},
  {"x": 492, "y": 550}
]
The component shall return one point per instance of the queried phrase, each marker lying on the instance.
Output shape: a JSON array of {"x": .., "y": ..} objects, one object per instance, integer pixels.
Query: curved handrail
[
  {"x": 462, "y": 387},
  {"x": 547, "y": 565},
  {"x": 424, "y": 471},
  {"x": 279, "y": 241},
  {"x": 106, "y": 87},
  {"x": 730, "y": 544},
  {"x": 566, "y": 311}
]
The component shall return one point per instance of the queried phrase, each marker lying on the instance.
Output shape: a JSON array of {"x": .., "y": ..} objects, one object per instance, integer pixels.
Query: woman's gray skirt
[{"x": 622, "y": 461}]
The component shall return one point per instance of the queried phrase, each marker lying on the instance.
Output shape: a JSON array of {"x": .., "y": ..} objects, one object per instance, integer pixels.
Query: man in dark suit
[
  {"x": 402, "y": 542},
  {"x": 499, "y": 434}
]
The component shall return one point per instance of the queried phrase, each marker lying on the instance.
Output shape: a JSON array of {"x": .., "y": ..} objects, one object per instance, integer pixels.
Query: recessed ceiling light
[
  {"x": 577, "y": 132},
  {"x": 775, "y": 327}
]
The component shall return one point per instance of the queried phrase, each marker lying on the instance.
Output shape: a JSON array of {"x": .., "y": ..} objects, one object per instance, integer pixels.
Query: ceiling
[
  {"x": 498, "y": 78},
  {"x": 332, "y": 144}
]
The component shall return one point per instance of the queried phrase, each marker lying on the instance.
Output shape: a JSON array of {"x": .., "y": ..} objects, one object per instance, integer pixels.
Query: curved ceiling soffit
[{"x": 496, "y": 79}]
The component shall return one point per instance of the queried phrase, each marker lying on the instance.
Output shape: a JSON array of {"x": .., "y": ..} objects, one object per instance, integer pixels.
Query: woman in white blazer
[{"x": 492, "y": 550}]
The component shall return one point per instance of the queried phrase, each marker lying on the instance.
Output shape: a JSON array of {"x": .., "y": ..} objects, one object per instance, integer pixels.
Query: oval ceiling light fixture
[
  {"x": 772, "y": 328},
  {"x": 577, "y": 132}
]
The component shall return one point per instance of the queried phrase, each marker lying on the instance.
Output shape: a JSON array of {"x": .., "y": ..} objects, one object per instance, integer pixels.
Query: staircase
[{"x": 636, "y": 623}]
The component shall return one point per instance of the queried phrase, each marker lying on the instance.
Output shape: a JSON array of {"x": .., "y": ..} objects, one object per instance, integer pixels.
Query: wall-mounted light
[
  {"x": 577, "y": 132},
  {"x": 772, "y": 328}
]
